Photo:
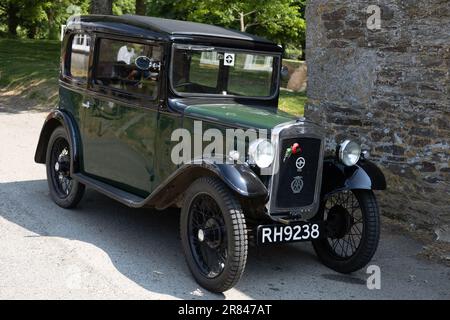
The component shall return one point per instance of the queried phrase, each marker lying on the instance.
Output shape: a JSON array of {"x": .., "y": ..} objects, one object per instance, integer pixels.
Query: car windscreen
[{"x": 225, "y": 72}]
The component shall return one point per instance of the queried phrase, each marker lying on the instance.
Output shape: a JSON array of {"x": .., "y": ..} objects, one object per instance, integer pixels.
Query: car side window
[
  {"x": 79, "y": 57},
  {"x": 129, "y": 67}
]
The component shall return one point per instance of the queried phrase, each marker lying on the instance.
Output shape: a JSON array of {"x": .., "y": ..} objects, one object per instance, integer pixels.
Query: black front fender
[
  {"x": 241, "y": 179},
  {"x": 364, "y": 175},
  {"x": 55, "y": 119},
  {"x": 238, "y": 177}
]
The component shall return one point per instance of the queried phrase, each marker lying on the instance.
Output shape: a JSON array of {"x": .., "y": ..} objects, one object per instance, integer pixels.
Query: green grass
[
  {"x": 293, "y": 102},
  {"x": 23, "y": 62}
]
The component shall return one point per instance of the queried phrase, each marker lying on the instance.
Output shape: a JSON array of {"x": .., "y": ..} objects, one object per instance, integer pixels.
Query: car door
[{"x": 121, "y": 116}]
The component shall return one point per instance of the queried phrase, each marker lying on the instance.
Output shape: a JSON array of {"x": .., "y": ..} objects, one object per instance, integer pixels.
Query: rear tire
[
  {"x": 213, "y": 234},
  {"x": 354, "y": 237},
  {"x": 65, "y": 191}
]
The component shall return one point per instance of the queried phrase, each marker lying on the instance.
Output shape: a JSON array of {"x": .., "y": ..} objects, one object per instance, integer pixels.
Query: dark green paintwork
[
  {"x": 164, "y": 167},
  {"x": 130, "y": 147},
  {"x": 119, "y": 145},
  {"x": 238, "y": 115},
  {"x": 128, "y": 144}
]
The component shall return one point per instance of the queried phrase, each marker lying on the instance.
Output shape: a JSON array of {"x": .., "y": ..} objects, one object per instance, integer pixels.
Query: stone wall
[{"x": 389, "y": 88}]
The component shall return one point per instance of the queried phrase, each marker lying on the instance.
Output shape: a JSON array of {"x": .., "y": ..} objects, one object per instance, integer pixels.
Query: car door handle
[{"x": 86, "y": 104}]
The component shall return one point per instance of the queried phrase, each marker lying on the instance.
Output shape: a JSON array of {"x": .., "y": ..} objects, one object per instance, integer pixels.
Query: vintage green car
[{"x": 162, "y": 113}]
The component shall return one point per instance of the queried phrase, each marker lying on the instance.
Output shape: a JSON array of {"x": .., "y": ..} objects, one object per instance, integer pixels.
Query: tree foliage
[
  {"x": 279, "y": 20},
  {"x": 39, "y": 18},
  {"x": 120, "y": 7}
]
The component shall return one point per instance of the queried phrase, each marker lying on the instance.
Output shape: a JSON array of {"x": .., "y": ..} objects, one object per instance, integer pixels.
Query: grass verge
[
  {"x": 25, "y": 61},
  {"x": 28, "y": 74},
  {"x": 293, "y": 102}
]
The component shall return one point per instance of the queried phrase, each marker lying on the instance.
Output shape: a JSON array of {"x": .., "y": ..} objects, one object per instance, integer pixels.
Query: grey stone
[{"x": 390, "y": 89}]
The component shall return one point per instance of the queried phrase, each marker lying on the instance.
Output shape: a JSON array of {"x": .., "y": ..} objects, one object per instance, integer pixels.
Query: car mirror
[
  {"x": 284, "y": 72},
  {"x": 143, "y": 62}
]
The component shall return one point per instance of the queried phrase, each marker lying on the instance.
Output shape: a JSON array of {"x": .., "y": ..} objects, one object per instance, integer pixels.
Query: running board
[{"x": 117, "y": 194}]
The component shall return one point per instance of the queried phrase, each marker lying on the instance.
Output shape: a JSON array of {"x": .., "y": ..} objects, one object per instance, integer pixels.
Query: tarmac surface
[{"x": 104, "y": 250}]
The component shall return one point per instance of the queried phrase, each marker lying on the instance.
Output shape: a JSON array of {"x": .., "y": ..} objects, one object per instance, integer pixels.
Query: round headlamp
[
  {"x": 261, "y": 152},
  {"x": 349, "y": 152}
]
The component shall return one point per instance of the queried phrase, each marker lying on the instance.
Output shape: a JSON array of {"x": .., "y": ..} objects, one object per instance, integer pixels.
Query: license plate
[{"x": 288, "y": 233}]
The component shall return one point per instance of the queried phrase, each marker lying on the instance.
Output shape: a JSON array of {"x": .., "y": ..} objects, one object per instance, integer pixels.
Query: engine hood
[{"x": 236, "y": 114}]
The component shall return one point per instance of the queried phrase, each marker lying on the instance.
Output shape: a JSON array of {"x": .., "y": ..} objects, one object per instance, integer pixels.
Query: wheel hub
[
  {"x": 61, "y": 168},
  {"x": 212, "y": 233},
  {"x": 62, "y": 164},
  {"x": 208, "y": 236},
  {"x": 201, "y": 235},
  {"x": 339, "y": 222}
]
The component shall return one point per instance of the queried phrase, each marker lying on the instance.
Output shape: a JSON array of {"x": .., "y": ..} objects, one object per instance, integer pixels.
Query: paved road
[{"x": 105, "y": 250}]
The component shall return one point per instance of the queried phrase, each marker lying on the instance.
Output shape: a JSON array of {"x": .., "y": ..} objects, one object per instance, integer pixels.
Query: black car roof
[{"x": 164, "y": 27}]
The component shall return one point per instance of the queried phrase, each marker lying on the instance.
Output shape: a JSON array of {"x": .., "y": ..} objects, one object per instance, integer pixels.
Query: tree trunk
[
  {"x": 141, "y": 7},
  {"x": 101, "y": 7},
  {"x": 13, "y": 19},
  {"x": 53, "y": 28},
  {"x": 32, "y": 31},
  {"x": 13, "y": 23},
  {"x": 242, "y": 21},
  {"x": 303, "y": 43}
]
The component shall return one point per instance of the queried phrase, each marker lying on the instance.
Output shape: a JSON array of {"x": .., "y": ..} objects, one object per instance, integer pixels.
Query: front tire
[
  {"x": 213, "y": 234},
  {"x": 353, "y": 226},
  {"x": 64, "y": 191}
]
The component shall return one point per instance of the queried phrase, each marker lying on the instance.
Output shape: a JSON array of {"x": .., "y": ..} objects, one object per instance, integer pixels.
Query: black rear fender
[{"x": 55, "y": 119}]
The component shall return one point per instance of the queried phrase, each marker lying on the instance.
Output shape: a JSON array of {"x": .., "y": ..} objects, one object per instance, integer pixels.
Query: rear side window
[
  {"x": 129, "y": 67},
  {"x": 79, "y": 57}
]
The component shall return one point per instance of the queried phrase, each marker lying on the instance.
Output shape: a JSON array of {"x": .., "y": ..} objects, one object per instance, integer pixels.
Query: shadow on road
[{"x": 144, "y": 244}]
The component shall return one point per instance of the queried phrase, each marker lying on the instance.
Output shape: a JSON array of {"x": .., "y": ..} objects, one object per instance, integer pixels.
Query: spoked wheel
[
  {"x": 60, "y": 157},
  {"x": 208, "y": 238},
  {"x": 353, "y": 230},
  {"x": 213, "y": 235},
  {"x": 65, "y": 191}
]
